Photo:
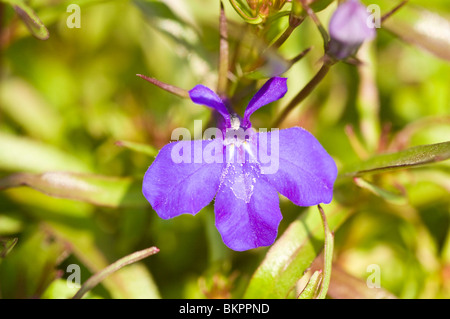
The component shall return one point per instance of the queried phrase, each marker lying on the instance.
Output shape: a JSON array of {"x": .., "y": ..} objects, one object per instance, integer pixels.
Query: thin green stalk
[
  {"x": 223, "y": 53},
  {"x": 98, "y": 277},
  {"x": 328, "y": 255},
  {"x": 294, "y": 22},
  {"x": 167, "y": 87},
  {"x": 320, "y": 27},
  {"x": 394, "y": 10},
  {"x": 304, "y": 93}
]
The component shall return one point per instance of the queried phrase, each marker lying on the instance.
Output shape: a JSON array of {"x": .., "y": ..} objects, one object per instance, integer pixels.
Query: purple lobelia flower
[
  {"x": 349, "y": 27},
  {"x": 244, "y": 171}
]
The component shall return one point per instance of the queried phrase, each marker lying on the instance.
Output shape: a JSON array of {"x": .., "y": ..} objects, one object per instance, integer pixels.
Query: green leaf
[
  {"x": 30, "y": 18},
  {"x": 98, "y": 277},
  {"x": 293, "y": 253},
  {"x": 138, "y": 147},
  {"x": 24, "y": 154},
  {"x": 94, "y": 189},
  {"x": 328, "y": 255},
  {"x": 412, "y": 157},
  {"x": 10, "y": 225},
  {"x": 310, "y": 291},
  {"x": 386, "y": 195}
]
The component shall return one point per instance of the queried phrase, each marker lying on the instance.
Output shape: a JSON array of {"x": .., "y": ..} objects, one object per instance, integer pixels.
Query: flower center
[{"x": 239, "y": 141}]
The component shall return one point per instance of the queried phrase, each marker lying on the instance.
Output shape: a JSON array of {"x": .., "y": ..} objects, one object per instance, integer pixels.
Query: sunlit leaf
[
  {"x": 94, "y": 189},
  {"x": 293, "y": 253},
  {"x": 10, "y": 225},
  {"x": 24, "y": 154}
]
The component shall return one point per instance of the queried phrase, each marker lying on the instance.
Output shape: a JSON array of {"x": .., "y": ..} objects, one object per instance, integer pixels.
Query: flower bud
[
  {"x": 265, "y": 7},
  {"x": 349, "y": 27}
]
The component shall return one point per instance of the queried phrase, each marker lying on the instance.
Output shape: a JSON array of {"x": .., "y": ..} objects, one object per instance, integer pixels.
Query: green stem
[
  {"x": 320, "y": 27},
  {"x": 304, "y": 93},
  {"x": 328, "y": 255},
  {"x": 223, "y": 53},
  {"x": 167, "y": 87},
  {"x": 294, "y": 22},
  {"x": 98, "y": 277}
]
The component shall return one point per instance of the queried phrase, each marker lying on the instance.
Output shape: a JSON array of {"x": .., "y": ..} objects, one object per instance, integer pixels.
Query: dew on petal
[{"x": 243, "y": 187}]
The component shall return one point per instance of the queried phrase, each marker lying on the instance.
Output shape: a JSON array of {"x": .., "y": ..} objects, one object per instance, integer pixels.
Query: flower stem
[
  {"x": 223, "y": 53},
  {"x": 167, "y": 87},
  {"x": 303, "y": 93},
  {"x": 394, "y": 10},
  {"x": 328, "y": 255},
  {"x": 294, "y": 22},
  {"x": 98, "y": 277},
  {"x": 320, "y": 27}
]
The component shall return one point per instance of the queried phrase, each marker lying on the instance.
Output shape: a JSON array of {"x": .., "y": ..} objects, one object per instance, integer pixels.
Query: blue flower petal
[
  {"x": 173, "y": 187},
  {"x": 300, "y": 168},
  {"x": 274, "y": 89},
  {"x": 246, "y": 208},
  {"x": 203, "y": 95}
]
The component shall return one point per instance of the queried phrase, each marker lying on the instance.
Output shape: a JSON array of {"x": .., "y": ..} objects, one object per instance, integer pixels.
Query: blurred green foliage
[{"x": 65, "y": 103}]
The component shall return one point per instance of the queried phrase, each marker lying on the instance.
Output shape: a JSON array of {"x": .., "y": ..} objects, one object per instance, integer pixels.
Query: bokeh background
[{"x": 72, "y": 102}]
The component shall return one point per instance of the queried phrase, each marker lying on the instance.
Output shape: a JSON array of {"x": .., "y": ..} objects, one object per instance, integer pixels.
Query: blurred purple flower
[
  {"x": 349, "y": 27},
  {"x": 234, "y": 169}
]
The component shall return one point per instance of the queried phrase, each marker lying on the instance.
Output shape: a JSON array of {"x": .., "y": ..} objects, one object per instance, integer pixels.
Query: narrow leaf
[
  {"x": 386, "y": 195},
  {"x": 138, "y": 147},
  {"x": 25, "y": 154},
  {"x": 30, "y": 18},
  {"x": 412, "y": 157},
  {"x": 94, "y": 189},
  {"x": 328, "y": 255}
]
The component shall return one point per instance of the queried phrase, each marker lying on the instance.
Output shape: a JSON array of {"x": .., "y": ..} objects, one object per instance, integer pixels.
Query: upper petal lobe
[
  {"x": 201, "y": 94},
  {"x": 274, "y": 89}
]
